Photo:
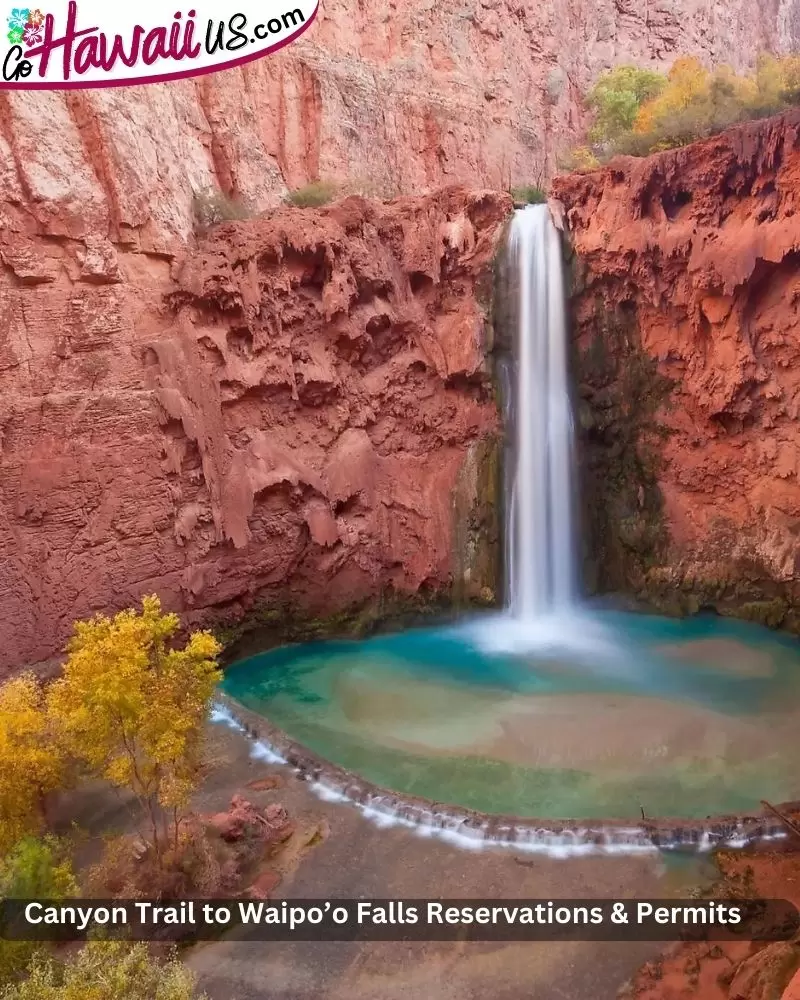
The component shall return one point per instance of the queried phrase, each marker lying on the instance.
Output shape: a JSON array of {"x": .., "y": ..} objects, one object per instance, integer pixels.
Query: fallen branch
[{"x": 788, "y": 823}]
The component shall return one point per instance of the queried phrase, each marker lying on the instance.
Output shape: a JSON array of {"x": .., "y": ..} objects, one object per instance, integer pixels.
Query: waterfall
[{"x": 541, "y": 556}]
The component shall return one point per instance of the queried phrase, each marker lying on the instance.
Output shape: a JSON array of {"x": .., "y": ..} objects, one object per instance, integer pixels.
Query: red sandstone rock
[
  {"x": 702, "y": 244},
  {"x": 766, "y": 974},
  {"x": 730, "y": 969},
  {"x": 792, "y": 991},
  {"x": 277, "y": 821},
  {"x": 266, "y": 784},
  {"x": 400, "y": 97},
  {"x": 271, "y": 825},
  {"x": 283, "y": 411},
  {"x": 266, "y": 883}
]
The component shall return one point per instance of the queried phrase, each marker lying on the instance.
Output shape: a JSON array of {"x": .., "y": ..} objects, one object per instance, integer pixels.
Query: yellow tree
[
  {"x": 768, "y": 83},
  {"x": 106, "y": 970},
  {"x": 790, "y": 91},
  {"x": 132, "y": 706},
  {"x": 679, "y": 110},
  {"x": 581, "y": 159},
  {"x": 776, "y": 84},
  {"x": 30, "y": 761}
]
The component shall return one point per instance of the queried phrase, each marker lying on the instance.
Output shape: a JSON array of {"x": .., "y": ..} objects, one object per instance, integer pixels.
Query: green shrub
[
  {"x": 617, "y": 97},
  {"x": 212, "y": 206},
  {"x": 37, "y": 868},
  {"x": 529, "y": 195},
  {"x": 320, "y": 193},
  {"x": 33, "y": 869},
  {"x": 313, "y": 195},
  {"x": 106, "y": 970}
]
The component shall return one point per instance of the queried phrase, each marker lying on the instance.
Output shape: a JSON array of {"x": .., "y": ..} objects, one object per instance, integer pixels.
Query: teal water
[{"x": 590, "y": 715}]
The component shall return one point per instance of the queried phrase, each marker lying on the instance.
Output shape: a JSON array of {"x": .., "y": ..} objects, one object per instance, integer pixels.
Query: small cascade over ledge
[
  {"x": 471, "y": 830},
  {"x": 541, "y": 555}
]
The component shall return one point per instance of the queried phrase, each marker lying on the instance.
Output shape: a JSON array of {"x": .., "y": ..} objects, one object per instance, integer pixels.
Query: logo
[
  {"x": 25, "y": 26},
  {"x": 90, "y": 44}
]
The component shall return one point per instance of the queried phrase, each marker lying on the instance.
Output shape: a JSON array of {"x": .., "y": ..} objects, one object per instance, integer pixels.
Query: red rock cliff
[
  {"x": 405, "y": 96},
  {"x": 284, "y": 410},
  {"x": 687, "y": 311}
]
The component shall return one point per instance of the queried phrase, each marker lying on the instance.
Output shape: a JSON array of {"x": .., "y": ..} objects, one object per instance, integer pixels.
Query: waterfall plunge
[
  {"x": 541, "y": 553},
  {"x": 543, "y": 616}
]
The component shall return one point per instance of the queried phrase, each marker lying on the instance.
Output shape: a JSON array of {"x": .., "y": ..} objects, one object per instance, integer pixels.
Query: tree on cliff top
[
  {"x": 30, "y": 761},
  {"x": 776, "y": 84},
  {"x": 132, "y": 708},
  {"x": 640, "y": 112},
  {"x": 617, "y": 97}
]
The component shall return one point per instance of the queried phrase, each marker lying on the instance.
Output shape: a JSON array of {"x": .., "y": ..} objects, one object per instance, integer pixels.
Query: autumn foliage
[
  {"x": 617, "y": 98},
  {"x": 132, "y": 708},
  {"x": 31, "y": 761},
  {"x": 639, "y": 111},
  {"x": 105, "y": 970}
]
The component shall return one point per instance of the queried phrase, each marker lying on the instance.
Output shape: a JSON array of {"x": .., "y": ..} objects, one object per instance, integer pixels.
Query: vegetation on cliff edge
[
  {"x": 211, "y": 207},
  {"x": 529, "y": 194},
  {"x": 638, "y": 111},
  {"x": 318, "y": 193}
]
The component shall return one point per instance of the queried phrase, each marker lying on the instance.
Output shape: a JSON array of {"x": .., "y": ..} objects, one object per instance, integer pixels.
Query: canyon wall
[
  {"x": 394, "y": 97},
  {"x": 295, "y": 398},
  {"x": 291, "y": 412},
  {"x": 686, "y": 300}
]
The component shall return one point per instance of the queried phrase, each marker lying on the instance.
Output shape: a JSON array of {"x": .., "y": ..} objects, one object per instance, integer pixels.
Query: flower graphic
[
  {"x": 26, "y": 26},
  {"x": 32, "y": 34},
  {"x": 18, "y": 19}
]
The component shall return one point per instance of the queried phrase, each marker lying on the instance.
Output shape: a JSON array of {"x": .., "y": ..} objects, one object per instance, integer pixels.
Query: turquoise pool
[{"x": 590, "y": 715}]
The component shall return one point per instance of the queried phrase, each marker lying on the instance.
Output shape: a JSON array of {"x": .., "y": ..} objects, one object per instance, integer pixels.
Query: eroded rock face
[
  {"x": 284, "y": 410},
  {"x": 686, "y": 307},
  {"x": 400, "y": 96}
]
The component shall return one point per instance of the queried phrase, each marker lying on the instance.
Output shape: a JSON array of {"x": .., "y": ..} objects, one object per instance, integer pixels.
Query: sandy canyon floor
[{"x": 355, "y": 859}]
